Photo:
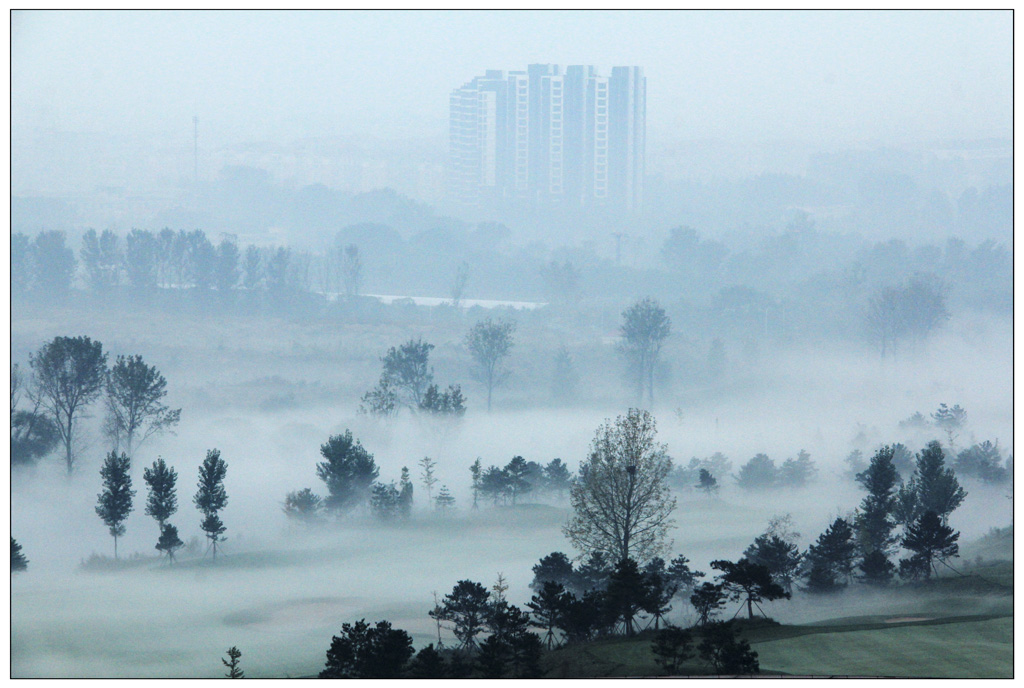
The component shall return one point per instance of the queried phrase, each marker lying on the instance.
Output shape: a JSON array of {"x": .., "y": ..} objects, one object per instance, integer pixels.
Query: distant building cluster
[{"x": 540, "y": 138}]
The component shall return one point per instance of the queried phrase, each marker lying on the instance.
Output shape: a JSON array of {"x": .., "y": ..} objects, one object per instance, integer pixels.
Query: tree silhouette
[
  {"x": 115, "y": 502},
  {"x": 931, "y": 539},
  {"x": 135, "y": 408},
  {"x": 348, "y": 471},
  {"x": 212, "y": 497},
  {"x": 489, "y": 343},
  {"x": 644, "y": 329}
]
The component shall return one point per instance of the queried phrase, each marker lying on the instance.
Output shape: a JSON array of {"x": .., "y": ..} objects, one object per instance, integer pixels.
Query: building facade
[{"x": 542, "y": 138}]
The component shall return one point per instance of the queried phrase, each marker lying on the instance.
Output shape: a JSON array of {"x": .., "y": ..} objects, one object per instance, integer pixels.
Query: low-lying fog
[{"x": 279, "y": 592}]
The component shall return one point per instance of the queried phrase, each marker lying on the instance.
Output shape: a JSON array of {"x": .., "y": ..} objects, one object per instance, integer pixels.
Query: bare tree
[
  {"x": 644, "y": 329},
  {"x": 69, "y": 374},
  {"x": 135, "y": 408},
  {"x": 621, "y": 499},
  {"x": 489, "y": 343}
]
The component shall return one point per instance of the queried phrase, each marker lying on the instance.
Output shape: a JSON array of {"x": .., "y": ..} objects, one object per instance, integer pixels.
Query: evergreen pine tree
[
  {"x": 405, "y": 494},
  {"x": 444, "y": 502},
  {"x": 874, "y": 522},
  {"x": 115, "y": 502},
  {"x": 212, "y": 497},
  {"x": 829, "y": 562},
  {"x": 876, "y": 569},
  {"x": 427, "y": 476},
  {"x": 931, "y": 539},
  {"x": 476, "y": 470},
  {"x": 707, "y": 482},
  {"x": 938, "y": 489},
  {"x": 169, "y": 541},
  {"x": 18, "y": 560},
  {"x": 233, "y": 671}
]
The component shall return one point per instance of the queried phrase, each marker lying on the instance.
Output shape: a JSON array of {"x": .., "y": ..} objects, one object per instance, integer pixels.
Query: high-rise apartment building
[{"x": 541, "y": 137}]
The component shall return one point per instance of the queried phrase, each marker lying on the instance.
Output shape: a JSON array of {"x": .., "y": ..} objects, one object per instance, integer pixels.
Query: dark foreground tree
[
  {"x": 707, "y": 600},
  {"x": 931, "y": 540},
  {"x": 115, "y": 502},
  {"x": 135, "y": 408},
  {"x": 466, "y": 607},
  {"x": 672, "y": 646},
  {"x": 829, "y": 562},
  {"x": 489, "y": 343},
  {"x": 234, "y": 654},
  {"x": 365, "y": 651},
  {"x": 644, "y": 329},
  {"x": 875, "y": 522},
  {"x": 876, "y": 569},
  {"x": 169, "y": 541},
  {"x": 162, "y": 502},
  {"x": 69, "y": 375},
  {"x": 750, "y": 582},
  {"x": 938, "y": 489},
  {"x": 621, "y": 501},
  {"x": 212, "y": 497},
  {"x": 781, "y": 558},
  {"x": 547, "y": 608},
  {"x": 428, "y": 663},
  {"x": 726, "y": 653},
  {"x": 18, "y": 560},
  {"x": 349, "y": 471}
]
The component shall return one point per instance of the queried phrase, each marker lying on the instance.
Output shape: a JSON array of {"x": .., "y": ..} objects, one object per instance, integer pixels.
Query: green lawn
[{"x": 961, "y": 649}]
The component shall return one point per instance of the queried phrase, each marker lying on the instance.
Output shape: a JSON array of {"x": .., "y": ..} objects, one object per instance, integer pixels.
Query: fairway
[{"x": 967, "y": 649}]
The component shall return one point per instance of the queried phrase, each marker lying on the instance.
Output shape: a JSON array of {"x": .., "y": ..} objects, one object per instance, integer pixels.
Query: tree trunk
[
  {"x": 750, "y": 608},
  {"x": 115, "y": 547}
]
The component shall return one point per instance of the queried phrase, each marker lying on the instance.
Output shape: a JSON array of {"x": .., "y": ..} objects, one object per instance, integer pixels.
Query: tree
[
  {"x": 211, "y": 496},
  {"x": 18, "y": 560},
  {"x": 381, "y": 401},
  {"x": 876, "y": 569},
  {"x": 407, "y": 371},
  {"x": 757, "y": 474},
  {"x": 226, "y": 266},
  {"x": 982, "y": 461},
  {"x": 54, "y": 264},
  {"x": 101, "y": 259},
  {"x": 162, "y": 502},
  {"x": 169, "y": 541},
  {"x": 458, "y": 285},
  {"x": 706, "y": 482},
  {"x": 644, "y": 329},
  {"x": 829, "y": 562},
  {"x": 621, "y": 501},
  {"x": 938, "y": 489},
  {"x": 797, "y": 472},
  {"x": 428, "y": 663},
  {"x": 931, "y": 539},
  {"x": 554, "y": 568},
  {"x": 202, "y": 260},
  {"x": 349, "y": 471},
  {"x": 385, "y": 501},
  {"x": 564, "y": 378},
  {"x": 547, "y": 607},
  {"x": 405, "y": 494},
  {"x": 427, "y": 475},
  {"x": 33, "y": 435},
  {"x": 951, "y": 421},
  {"x": 476, "y": 471},
  {"x": 135, "y": 407},
  {"x": 351, "y": 270},
  {"x": 365, "y": 651},
  {"x": 466, "y": 608},
  {"x": 450, "y": 402},
  {"x": 626, "y": 593},
  {"x": 489, "y": 343},
  {"x": 511, "y": 649},
  {"x": 515, "y": 473},
  {"x": 660, "y": 588},
  {"x": 115, "y": 502},
  {"x": 781, "y": 558},
  {"x": 254, "y": 274},
  {"x": 745, "y": 580},
  {"x": 707, "y": 600},
  {"x": 140, "y": 259},
  {"x": 444, "y": 501},
  {"x": 874, "y": 522},
  {"x": 558, "y": 478},
  {"x": 594, "y": 573},
  {"x": 234, "y": 654},
  {"x": 672, "y": 646},
  {"x": 303, "y": 505},
  {"x": 69, "y": 375},
  {"x": 726, "y": 653}
]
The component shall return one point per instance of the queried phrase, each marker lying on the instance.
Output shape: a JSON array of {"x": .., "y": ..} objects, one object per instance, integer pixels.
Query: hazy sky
[{"x": 815, "y": 76}]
